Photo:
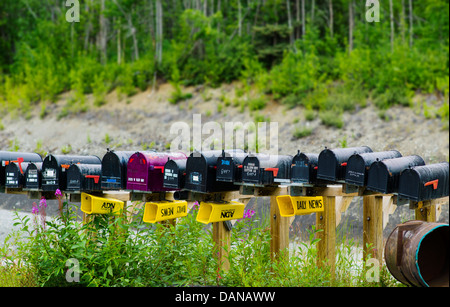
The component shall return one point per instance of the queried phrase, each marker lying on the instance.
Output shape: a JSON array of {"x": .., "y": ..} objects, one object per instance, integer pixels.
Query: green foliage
[{"x": 260, "y": 44}]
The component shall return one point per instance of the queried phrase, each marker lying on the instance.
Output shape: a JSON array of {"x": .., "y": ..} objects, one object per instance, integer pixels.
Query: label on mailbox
[
  {"x": 98, "y": 205},
  {"x": 218, "y": 212},
  {"x": 164, "y": 210},
  {"x": 299, "y": 205}
]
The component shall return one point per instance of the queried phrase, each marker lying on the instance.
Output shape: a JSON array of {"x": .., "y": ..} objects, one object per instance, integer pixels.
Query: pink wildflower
[{"x": 58, "y": 193}]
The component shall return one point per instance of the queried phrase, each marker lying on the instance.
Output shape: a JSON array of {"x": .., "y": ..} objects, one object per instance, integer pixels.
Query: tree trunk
[
  {"x": 159, "y": 31},
  {"x": 350, "y": 26},
  {"x": 391, "y": 16},
  {"x": 303, "y": 19},
  {"x": 103, "y": 40},
  {"x": 239, "y": 18},
  {"x": 411, "y": 32},
  {"x": 330, "y": 7},
  {"x": 291, "y": 32}
]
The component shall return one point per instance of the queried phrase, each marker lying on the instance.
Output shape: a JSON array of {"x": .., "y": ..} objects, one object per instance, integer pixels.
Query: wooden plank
[
  {"x": 279, "y": 230},
  {"x": 222, "y": 242},
  {"x": 429, "y": 213},
  {"x": 373, "y": 227},
  {"x": 326, "y": 221},
  {"x": 342, "y": 204}
]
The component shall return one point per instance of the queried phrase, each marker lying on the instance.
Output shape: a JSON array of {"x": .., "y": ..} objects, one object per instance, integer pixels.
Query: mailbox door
[
  {"x": 51, "y": 175},
  {"x": 15, "y": 175},
  {"x": 304, "y": 168},
  {"x": 174, "y": 174},
  {"x": 137, "y": 172},
  {"x": 74, "y": 178},
  {"x": 251, "y": 170},
  {"x": 33, "y": 176},
  {"x": 114, "y": 170}
]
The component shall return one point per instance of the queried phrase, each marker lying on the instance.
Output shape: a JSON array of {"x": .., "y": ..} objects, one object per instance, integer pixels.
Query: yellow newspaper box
[
  {"x": 98, "y": 205},
  {"x": 217, "y": 212},
  {"x": 164, "y": 210},
  {"x": 299, "y": 205}
]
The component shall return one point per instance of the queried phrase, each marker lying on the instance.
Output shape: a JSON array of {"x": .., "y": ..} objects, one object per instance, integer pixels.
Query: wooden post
[
  {"x": 326, "y": 221},
  {"x": 373, "y": 227},
  {"x": 222, "y": 241},
  {"x": 428, "y": 211},
  {"x": 279, "y": 230}
]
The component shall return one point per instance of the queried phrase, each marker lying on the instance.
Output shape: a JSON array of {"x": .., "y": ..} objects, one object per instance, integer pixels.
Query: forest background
[{"x": 322, "y": 55}]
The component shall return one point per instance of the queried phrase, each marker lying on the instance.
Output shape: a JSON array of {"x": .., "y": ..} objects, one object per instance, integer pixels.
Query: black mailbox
[
  {"x": 15, "y": 174},
  {"x": 201, "y": 172},
  {"x": 84, "y": 177},
  {"x": 33, "y": 176},
  {"x": 333, "y": 162},
  {"x": 384, "y": 175},
  {"x": 261, "y": 169},
  {"x": 358, "y": 165},
  {"x": 54, "y": 170},
  {"x": 424, "y": 182},
  {"x": 114, "y": 170},
  {"x": 175, "y": 174},
  {"x": 304, "y": 168},
  {"x": 229, "y": 167},
  {"x": 20, "y": 157}
]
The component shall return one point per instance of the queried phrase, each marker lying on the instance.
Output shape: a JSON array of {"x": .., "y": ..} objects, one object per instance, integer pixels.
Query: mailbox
[
  {"x": 114, "y": 170},
  {"x": 98, "y": 205},
  {"x": 333, "y": 162},
  {"x": 84, "y": 177},
  {"x": 9, "y": 156},
  {"x": 358, "y": 165},
  {"x": 54, "y": 170},
  {"x": 15, "y": 174},
  {"x": 33, "y": 176},
  {"x": 299, "y": 205},
  {"x": 304, "y": 168},
  {"x": 164, "y": 210},
  {"x": 424, "y": 182},
  {"x": 384, "y": 175},
  {"x": 201, "y": 172},
  {"x": 145, "y": 170},
  {"x": 175, "y": 174},
  {"x": 229, "y": 166},
  {"x": 261, "y": 169},
  {"x": 210, "y": 212}
]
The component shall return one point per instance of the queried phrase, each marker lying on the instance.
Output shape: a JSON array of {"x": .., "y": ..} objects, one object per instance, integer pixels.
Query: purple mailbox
[{"x": 145, "y": 170}]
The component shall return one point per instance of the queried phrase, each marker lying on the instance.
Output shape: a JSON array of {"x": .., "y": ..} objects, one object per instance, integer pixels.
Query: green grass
[{"x": 114, "y": 253}]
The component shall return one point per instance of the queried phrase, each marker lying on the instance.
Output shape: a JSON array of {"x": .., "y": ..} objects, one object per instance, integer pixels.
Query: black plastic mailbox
[
  {"x": 358, "y": 165},
  {"x": 261, "y": 169},
  {"x": 425, "y": 182},
  {"x": 54, "y": 170},
  {"x": 15, "y": 175},
  {"x": 384, "y": 175},
  {"x": 175, "y": 174},
  {"x": 33, "y": 176},
  {"x": 201, "y": 172},
  {"x": 10, "y": 156},
  {"x": 333, "y": 162},
  {"x": 114, "y": 170},
  {"x": 304, "y": 168},
  {"x": 84, "y": 178},
  {"x": 229, "y": 167}
]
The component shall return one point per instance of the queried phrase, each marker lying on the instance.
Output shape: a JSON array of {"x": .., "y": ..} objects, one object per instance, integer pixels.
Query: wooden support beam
[
  {"x": 429, "y": 213},
  {"x": 373, "y": 227},
  {"x": 279, "y": 230},
  {"x": 222, "y": 242},
  {"x": 326, "y": 221},
  {"x": 342, "y": 204}
]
